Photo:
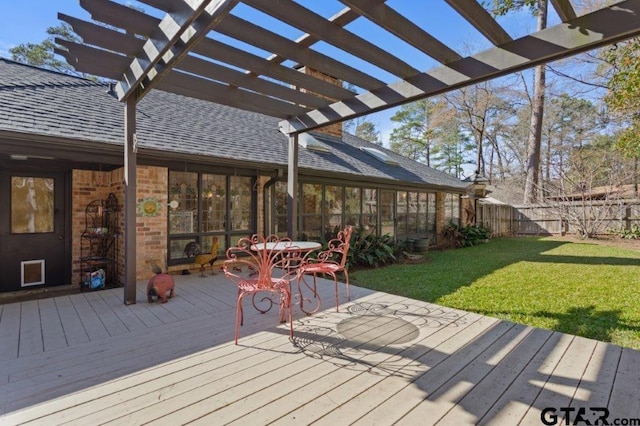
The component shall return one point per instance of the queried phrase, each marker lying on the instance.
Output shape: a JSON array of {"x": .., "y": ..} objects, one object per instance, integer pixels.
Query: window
[
  {"x": 208, "y": 205},
  {"x": 370, "y": 210},
  {"x": 401, "y": 215},
  {"x": 452, "y": 208},
  {"x": 31, "y": 205},
  {"x": 311, "y": 226},
  {"x": 387, "y": 213},
  {"x": 333, "y": 211},
  {"x": 326, "y": 209},
  {"x": 352, "y": 206},
  {"x": 280, "y": 207}
]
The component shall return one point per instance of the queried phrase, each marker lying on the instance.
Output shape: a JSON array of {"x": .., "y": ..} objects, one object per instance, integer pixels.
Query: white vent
[
  {"x": 376, "y": 153},
  {"x": 311, "y": 143}
]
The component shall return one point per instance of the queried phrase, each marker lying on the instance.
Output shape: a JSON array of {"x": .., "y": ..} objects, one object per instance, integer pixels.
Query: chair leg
[
  {"x": 238, "y": 318},
  {"x": 335, "y": 285},
  {"x": 290, "y": 313},
  {"x": 346, "y": 281}
]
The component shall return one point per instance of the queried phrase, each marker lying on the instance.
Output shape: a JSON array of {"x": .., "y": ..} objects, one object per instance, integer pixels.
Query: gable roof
[{"x": 84, "y": 115}]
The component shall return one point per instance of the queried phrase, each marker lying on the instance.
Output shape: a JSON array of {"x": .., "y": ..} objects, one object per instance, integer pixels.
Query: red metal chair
[
  {"x": 258, "y": 265},
  {"x": 330, "y": 262}
]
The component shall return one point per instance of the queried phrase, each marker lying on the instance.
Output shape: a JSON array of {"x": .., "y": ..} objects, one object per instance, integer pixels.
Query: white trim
[{"x": 31, "y": 262}]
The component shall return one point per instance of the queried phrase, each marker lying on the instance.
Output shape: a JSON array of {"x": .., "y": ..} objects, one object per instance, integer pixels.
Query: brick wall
[
  {"x": 151, "y": 231},
  {"x": 87, "y": 187}
]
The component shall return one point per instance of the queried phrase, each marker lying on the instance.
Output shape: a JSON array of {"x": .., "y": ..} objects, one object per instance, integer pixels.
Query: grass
[{"x": 579, "y": 288}]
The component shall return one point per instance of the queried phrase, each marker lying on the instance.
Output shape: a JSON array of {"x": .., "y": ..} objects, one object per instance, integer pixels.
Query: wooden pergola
[{"x": 180, "y": 53}]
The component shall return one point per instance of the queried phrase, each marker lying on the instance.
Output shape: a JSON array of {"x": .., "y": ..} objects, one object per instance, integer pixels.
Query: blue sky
[{"x": 26, "y": 21}]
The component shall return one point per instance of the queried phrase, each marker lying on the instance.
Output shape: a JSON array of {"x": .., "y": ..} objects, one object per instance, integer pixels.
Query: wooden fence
[{"x": 553, "y": 219}]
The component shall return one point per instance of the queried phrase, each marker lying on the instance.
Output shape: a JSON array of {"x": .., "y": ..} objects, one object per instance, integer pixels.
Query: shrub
[
  {"x": 465, "y": 236},
  {"x": 370, "y": 250}
]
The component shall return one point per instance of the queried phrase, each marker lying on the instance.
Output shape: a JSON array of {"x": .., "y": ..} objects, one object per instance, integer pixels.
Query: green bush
[
  {"x": 370, "y": 250},
  {"x": 465, "y": 236}
]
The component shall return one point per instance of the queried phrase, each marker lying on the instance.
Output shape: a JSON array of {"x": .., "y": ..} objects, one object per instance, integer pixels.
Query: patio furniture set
[{"x": 262, "y": 267}]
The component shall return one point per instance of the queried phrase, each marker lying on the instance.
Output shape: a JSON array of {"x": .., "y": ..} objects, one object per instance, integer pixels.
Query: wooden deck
[{"x": 88, "y": 359}]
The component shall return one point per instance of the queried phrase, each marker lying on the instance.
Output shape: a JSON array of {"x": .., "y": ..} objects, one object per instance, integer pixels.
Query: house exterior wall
[
  {"x": 151, "y": 242},
  {"x": 87, "y": 186},
  {"x": 152, "y": 231}
]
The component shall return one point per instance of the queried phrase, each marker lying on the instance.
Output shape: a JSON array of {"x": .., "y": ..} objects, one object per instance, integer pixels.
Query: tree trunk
[{"x": 535, "y": 127}]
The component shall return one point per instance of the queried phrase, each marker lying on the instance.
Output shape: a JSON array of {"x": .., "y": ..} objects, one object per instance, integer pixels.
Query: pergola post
[
  {"x": 292, "y": 187},
  {"x": 130, "y": 189}
]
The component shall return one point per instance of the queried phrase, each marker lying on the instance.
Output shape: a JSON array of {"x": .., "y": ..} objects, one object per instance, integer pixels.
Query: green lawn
[{"x": 578, "y": 288}]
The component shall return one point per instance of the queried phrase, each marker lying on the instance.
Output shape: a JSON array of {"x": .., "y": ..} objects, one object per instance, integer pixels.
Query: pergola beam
[
  {"x": 255, "y": 35},
  {"x": 95, "y": 61},
  {"x": 308, "y": 21},
  {"x": 119, "y": 16},
  {"x": 599, "y": 28},
  {"x": 404, "y": 29},
  {"x": 564, "y": 10},
  {"x": 127, "y": 44},
  {"x": 481, "y": 20},
  {"x": 178, "y": 31}
]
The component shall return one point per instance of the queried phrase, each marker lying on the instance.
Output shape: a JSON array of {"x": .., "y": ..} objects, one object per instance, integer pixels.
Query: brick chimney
[{"x": 332, "y": 129}]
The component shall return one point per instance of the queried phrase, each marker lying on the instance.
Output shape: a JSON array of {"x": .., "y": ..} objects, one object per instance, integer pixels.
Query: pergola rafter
[
  {"x": 599, "y": 28},
  {"x": 183, "y": 53}
]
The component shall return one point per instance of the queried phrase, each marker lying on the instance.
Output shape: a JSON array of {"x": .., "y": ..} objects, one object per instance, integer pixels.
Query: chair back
[
  {"x": 338, "y": 248},
  {"x": 261, "y": 256}
]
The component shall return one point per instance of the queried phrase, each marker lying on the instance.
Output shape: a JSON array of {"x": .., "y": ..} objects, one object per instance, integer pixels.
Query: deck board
[
  {"x": 625, "y": 395},
  {"x": 89, "y": 319},
  {"x": 559, "y": 389},
  {"x": 30, "y": 329},
  {"x": 10, "y": 331},
  {"x": 74, "y": 331},
  {"x": 382, "y": 359},
  {"x": 52, "y": 331}
]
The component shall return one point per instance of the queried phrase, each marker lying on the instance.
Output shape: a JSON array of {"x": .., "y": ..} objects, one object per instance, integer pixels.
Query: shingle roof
[{"x": 52, "y": 104}]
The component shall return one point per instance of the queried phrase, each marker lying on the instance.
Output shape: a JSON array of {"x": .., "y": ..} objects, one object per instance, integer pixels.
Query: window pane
[
  {"x": 207, "y": 242},
  {"x": 183, "y": 188},
  {"x": 412, "y": 214},
  {"x": 333, "y": 200},
  {"x": 214, "y": 202},
  {"x": 181, "y": 249},
  {"x": 401, "y": 214},
  {"x": 352, "y": 204},
  {"x": 333, "y": 210},
  {"x": 431, "y": 212},
  {"x": 422, "y": 213},
  {"x": 311, "y": 228},
  {"x": 31, "y": 205},
  {"x": 240, "y": 203},
  {"x": 387, "y": 199},
  {"x": 370, "y": 209},
  {"x": 281, "y": 226},
  {"x": 311, "y": 199},
  {"x": 333, "y": 226},
  {"x": 281, "y": 198},
  {"x": 452, "y": 208}
]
